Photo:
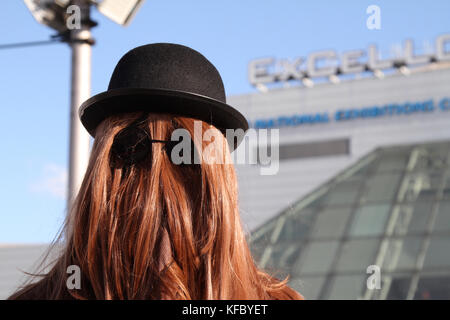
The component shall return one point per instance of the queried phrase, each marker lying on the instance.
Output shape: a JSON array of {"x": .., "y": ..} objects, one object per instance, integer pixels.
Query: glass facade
[{"x": 390, "y": 210}]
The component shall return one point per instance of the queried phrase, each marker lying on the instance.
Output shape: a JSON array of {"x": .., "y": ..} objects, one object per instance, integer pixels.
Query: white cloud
[{"x": 52, "y": 182}]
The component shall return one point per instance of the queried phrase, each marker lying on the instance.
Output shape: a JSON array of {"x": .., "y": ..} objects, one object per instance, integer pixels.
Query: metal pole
[{"x": 80, "y": 42}]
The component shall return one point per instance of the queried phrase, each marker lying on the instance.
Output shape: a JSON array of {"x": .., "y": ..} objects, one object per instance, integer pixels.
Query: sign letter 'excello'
[{"x": 326, "y": 63}]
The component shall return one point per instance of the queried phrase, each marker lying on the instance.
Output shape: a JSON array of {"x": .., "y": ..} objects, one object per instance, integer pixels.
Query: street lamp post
[
  {"x": 81, "y": 44},
  {"x": 54, "y": 14}
]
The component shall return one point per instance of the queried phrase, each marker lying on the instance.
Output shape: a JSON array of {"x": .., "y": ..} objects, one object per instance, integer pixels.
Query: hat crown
[{"x": 168, "y": 66}]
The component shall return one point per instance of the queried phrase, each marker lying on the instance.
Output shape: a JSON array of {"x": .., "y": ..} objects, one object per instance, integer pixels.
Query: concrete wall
[{"x": 14, "y": 259}]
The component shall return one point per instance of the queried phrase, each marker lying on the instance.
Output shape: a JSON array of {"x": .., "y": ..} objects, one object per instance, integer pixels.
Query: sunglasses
[{"x": 133, "y": 144}]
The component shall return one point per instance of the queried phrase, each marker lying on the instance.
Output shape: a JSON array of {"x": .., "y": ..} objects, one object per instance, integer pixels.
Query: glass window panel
[
  {"x": 259, "y": 243},
  {"x": 366, "y": 169},
  {"x": 318, "y": 256},
  {"x": 305, "y": 213},
  {"x": 296, "y": 227},
  {"x": 432, "y": 160},
  {"x": 446, "y": 191},
  {"x": 426, "y": 195},
  {"x": 341, "y": 196},
  {"x": 433, "y": 288},
  {"x": 442, "y": 223},
  {"x": 428, "y": 182},
  {"x": 412, "y": 218},
  {"x": 347, "y": 287},
  {"x": 439, "y": 149},
  {"x": 399, "y": 288},
  {"x": 348, "y": 183},
  {"x": 420, "y": 214},
  {"x": 309, "y": 287},
  {"x": 427, "y": 179},
  {"x": 263, "y": 239},
  {"x": 409, "y": 252},
  {"x": 316, "y": 201},
  {"x": 331, "y": 223},
  {"x": 438, "y": 253},
  {"x": 401, "y": 254},
  {"x": 382, "y": 187},
  {"x": 393, "y": 162},
  {"x": 283, "y": 256},
  {"x": 447, "y": 179},
  {"x": 370, "y": 220},
  {"x": 263, "y": 234},
  {"x": 357, "y": 255}
]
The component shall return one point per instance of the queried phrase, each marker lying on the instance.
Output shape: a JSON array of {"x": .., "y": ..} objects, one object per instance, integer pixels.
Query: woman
[{"x": 146, "y": 225}]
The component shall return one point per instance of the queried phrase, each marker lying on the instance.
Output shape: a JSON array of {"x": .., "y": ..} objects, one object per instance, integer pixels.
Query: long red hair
[{"x": 156, "y": 230}]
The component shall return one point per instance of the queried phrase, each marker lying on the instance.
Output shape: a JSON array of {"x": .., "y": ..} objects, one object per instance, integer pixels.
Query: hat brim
[{"x": 186, "y": 104}]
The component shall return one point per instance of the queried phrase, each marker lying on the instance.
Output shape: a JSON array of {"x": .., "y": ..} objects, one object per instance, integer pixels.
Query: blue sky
[{"x": 35, "y": 83}]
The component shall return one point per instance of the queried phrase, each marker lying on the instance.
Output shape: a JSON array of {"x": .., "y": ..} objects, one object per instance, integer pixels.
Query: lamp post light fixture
[{"x": 59, "y": 16}]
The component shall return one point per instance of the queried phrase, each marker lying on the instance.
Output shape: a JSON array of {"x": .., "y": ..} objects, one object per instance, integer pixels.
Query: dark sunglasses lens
[{"x": 131, "y": 145}]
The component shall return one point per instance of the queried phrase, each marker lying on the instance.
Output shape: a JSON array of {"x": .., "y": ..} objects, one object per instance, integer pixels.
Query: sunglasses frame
[{"x": 130, "y": 159}]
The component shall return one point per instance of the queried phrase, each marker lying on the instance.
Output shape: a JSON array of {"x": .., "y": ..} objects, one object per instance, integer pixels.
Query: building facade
[
  {"x": 327, "y": 128},
  {"x": 358, "y": 207}
]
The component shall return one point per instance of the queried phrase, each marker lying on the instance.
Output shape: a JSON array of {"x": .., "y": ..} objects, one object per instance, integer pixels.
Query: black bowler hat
[{"x": 164, "y": 78}]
